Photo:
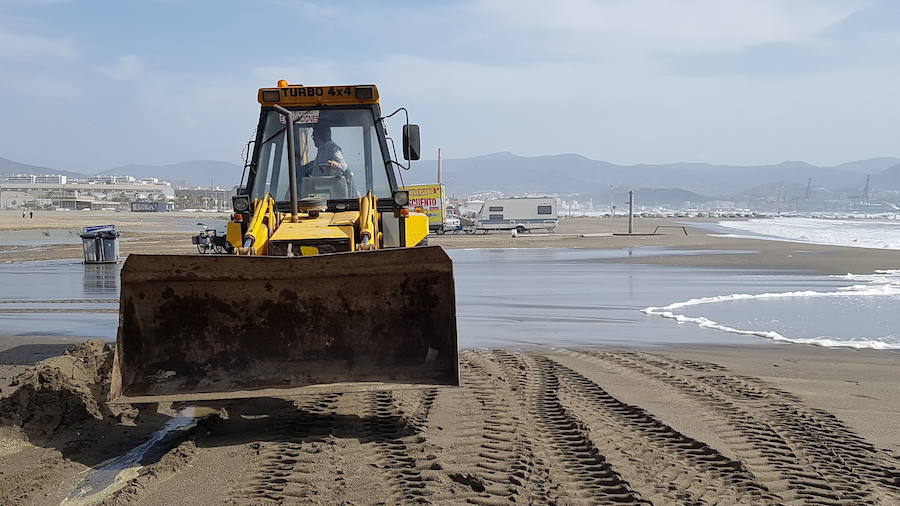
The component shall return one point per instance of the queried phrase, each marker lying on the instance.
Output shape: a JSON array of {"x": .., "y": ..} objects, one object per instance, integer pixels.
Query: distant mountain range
[
  {"x": 191, "y": 173},
  {"x": 574, "y": 174},
  {"x": 11, "y": 168}
]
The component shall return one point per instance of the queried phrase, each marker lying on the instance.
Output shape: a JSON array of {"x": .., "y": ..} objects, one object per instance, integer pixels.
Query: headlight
[
  {"x": 401, "y": 197},
  {"x": 241, "y": 203}
]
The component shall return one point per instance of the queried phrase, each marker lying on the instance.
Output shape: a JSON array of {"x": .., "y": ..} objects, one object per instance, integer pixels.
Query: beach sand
[
  {"x": 747, "y": 253},
  {"x": 140, "y": 232},
  {"x": 154, "y": 233},
  {"x": 769, "y": 423}
]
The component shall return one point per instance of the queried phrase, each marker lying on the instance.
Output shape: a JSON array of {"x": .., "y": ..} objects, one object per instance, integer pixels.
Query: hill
[
  {"x": 870, "y": 166},
  {"x": 566, "y": 174},
  {"x": 888, "y": 179},
  {"x": 190, "y": 173},
  {"x": 570, "y": 173},
  {"x": 11, "y": 168}
]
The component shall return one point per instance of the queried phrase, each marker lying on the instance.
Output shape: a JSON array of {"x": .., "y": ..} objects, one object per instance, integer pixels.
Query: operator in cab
[{"x": 329, "y": 159}]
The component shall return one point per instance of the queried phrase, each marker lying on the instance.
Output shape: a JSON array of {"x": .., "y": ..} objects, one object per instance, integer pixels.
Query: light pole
[
  {"x": 630, "y": 212},
  {"x": 611, "y": 206}
]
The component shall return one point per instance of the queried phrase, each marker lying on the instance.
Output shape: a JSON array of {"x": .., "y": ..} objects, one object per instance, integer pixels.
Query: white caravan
[{"x": 519, "y": 213}]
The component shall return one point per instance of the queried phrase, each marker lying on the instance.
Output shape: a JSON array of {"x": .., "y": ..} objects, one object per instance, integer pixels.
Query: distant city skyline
[{"x": 92, "y": 85}]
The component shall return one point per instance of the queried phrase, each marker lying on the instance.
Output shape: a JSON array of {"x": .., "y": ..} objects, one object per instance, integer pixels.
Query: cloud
[
  {"x": 665, "y": 26},
  {"x": 32, "y": 2},
  {"x": 441, "y": 80},
  {"x": 468, "y": 82},
  {"x": 308, "y": 9},
  {"x": 18, "y": 47},
  {"x": 310, "y": 73},
  {"x": 125, "y": 68},
  {"x": 633, "y": 114},
  {"x": 609, "y": 79}
]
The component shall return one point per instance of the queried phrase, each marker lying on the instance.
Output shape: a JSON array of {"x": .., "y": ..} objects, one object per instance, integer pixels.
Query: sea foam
[
  {"x": 880, "y": 284},
  {"x": 876, "y": 234}
]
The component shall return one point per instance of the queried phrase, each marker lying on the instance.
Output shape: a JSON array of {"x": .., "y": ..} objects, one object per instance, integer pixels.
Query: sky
[{"x": 88, "y": 85}]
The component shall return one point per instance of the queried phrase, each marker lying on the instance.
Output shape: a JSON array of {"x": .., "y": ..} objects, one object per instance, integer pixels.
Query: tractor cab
[{"x": 341, "y": 148}]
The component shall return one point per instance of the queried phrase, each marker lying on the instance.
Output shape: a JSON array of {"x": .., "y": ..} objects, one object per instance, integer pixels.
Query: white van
[{"x": 520, "y": 213}]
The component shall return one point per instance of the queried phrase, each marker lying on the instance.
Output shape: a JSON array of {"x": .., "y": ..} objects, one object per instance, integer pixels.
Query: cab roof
[{"x": 295, "y": 94}]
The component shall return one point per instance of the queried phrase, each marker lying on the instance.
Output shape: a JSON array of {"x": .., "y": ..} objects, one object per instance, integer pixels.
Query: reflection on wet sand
[{"x": 505, "y": 297}]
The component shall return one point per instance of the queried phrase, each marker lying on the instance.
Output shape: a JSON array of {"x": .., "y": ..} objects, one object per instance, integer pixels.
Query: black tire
[
  {"x": 470, "y": 231},
  {"x": 439, "y": 231},
  {"x": 520, "y": 229}
]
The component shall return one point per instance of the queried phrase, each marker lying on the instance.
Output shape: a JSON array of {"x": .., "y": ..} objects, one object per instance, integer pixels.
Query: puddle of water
[
  {"x": 116, "y": 473},
  {"x": 82, "y": 290},
  {"x": 38, "y": 237}
]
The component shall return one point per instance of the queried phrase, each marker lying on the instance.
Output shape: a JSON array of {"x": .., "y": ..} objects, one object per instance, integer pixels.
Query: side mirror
[{"x": 411, "y": 142}]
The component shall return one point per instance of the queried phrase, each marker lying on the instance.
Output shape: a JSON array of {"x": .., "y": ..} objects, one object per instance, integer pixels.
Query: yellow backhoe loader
[{"x": 329, "y": 284}]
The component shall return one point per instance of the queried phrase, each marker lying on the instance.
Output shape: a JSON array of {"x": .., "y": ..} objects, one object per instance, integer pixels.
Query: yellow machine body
[{"x": 321, "y": 291}]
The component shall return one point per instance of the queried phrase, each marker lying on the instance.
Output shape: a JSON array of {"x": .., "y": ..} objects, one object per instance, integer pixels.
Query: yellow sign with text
[
  {"x": 319, "y": 95},
  {"x": 427, "y": 199}
]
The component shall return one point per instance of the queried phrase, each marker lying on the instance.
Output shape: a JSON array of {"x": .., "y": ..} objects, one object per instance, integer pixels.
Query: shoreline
[
  {"x": 720, "y": 423},
  {"x": 171, "y": 232}
]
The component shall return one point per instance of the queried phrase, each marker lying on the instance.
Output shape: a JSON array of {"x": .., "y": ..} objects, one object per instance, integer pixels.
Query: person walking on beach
[
  {"x": 31, "y": 215},
  {"x": 23, "y": 215}
]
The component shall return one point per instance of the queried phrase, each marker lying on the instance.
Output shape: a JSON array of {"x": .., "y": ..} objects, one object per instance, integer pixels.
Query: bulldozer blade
[{"x": 195, "y": 327}]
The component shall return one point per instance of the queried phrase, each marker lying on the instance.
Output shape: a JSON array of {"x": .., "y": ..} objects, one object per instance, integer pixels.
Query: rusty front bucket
[{"x": 218, "y": 327}]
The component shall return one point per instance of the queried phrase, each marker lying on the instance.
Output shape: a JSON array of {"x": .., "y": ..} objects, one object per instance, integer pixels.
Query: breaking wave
[
  {"x": 877, "y": 234},
  {"x": 880, "y": 284}
]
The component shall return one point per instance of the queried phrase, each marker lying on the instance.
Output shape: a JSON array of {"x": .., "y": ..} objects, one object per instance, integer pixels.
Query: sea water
[
  {"x": 861, "y": 312},
  {"x": 862, "y": 233},
  {"x": 548, "y": 297},
  {"x": 577, "y": 297}
]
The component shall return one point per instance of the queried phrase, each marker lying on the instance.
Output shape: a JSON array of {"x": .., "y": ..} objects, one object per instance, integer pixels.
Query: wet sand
[
  {"x": 171, "y": 233},
  {"x": 55, "y": 233},
  {"x": 763, "y": 424},
  {"x": 589, "y": 233}
]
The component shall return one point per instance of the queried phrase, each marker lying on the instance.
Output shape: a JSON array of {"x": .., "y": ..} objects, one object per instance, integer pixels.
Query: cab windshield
[{"x": 338, "y": 155}]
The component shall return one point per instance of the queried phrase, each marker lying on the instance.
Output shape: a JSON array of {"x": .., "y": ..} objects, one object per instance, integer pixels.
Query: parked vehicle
[
  {"x": 146, "y": 206},
  {"x": 521, "y": 214},
  {"x": 452, "y": 225}
]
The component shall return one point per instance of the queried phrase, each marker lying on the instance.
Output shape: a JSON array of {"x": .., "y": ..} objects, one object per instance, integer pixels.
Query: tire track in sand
[
  {"x": 835, "y": 448},
  {"x": 819, "y": 459},
  {"x": 663, "y": 463},
  {"x": 416, "y": 406},
  {"x": 291, "y": 454},
  {"x": 575, "y": 461},
  {"x": 400, "y": 447},
  {"x": 487, "y": 446}
]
